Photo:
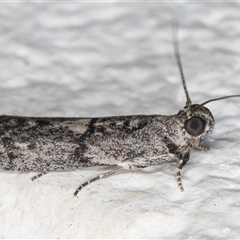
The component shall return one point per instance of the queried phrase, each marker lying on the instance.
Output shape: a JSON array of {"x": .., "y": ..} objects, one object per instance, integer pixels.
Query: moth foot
[
  {"x": 179, "y": 182},
  {"x": 181, "y": 188},
  {"x": 197, "y": 144},
  {"x": 127, "y": 166},
  {"x": 37, "y": 176},
  {"x": 203, "y": 148},
  {"x": 178, "y": 174}
]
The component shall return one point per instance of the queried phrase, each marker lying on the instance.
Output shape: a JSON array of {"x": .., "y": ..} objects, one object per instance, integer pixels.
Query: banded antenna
[
  {"x": 219, "y": 98},
  {"x": 177, "y": 56}
]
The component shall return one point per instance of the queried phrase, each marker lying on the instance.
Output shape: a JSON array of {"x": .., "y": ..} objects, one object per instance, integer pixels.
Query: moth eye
[{"x": 195, "y": 126}]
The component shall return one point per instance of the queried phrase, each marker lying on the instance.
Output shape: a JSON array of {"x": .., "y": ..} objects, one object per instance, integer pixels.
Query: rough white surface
[{"x": 99, "y": 59}]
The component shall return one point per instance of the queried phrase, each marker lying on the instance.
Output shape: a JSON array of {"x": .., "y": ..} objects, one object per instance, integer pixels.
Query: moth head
[{"x": 198, "y": 121}]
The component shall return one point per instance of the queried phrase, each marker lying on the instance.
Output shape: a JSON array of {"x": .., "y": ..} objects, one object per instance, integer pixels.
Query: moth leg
[
  {"x": 197, "y": 144},
  {"x": 38, "y": 176},
  {"x": 182, "y": 162},
  {"x": 106, "y": 174}
]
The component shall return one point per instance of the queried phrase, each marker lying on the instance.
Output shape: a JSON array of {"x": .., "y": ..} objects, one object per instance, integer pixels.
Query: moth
[{"x": 43, "y": 145}]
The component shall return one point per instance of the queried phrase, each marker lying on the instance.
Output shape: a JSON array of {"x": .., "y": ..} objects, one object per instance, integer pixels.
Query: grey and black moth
[{"x": 43, "y": 145}]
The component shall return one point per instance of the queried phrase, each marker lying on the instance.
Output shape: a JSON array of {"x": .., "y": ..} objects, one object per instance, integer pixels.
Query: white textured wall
[{"x": 99, "y": 59}]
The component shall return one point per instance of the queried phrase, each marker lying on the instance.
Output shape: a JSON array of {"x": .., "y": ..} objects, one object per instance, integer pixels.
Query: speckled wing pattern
[{"x": 50, "y": 144}]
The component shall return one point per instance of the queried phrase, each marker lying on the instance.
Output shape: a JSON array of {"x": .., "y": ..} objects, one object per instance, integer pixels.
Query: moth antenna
[
  {"x": 220, "y": 98},
  {"x": 177, "y": 56},
  {"x": 215, "y": 99}
]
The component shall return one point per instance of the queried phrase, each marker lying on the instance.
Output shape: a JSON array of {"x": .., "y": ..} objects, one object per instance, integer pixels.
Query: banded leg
[
  {"x": 106, "y": 174},
  {"x": 197, "y": 144},
  {"x": 38, "y": 176},
  {"x": 182, "y": 162},
  {"x": 179, "y": 167}
]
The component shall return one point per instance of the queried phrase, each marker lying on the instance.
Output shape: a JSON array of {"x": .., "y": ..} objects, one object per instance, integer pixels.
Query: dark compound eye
[{"x": 195, "y": 126}]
